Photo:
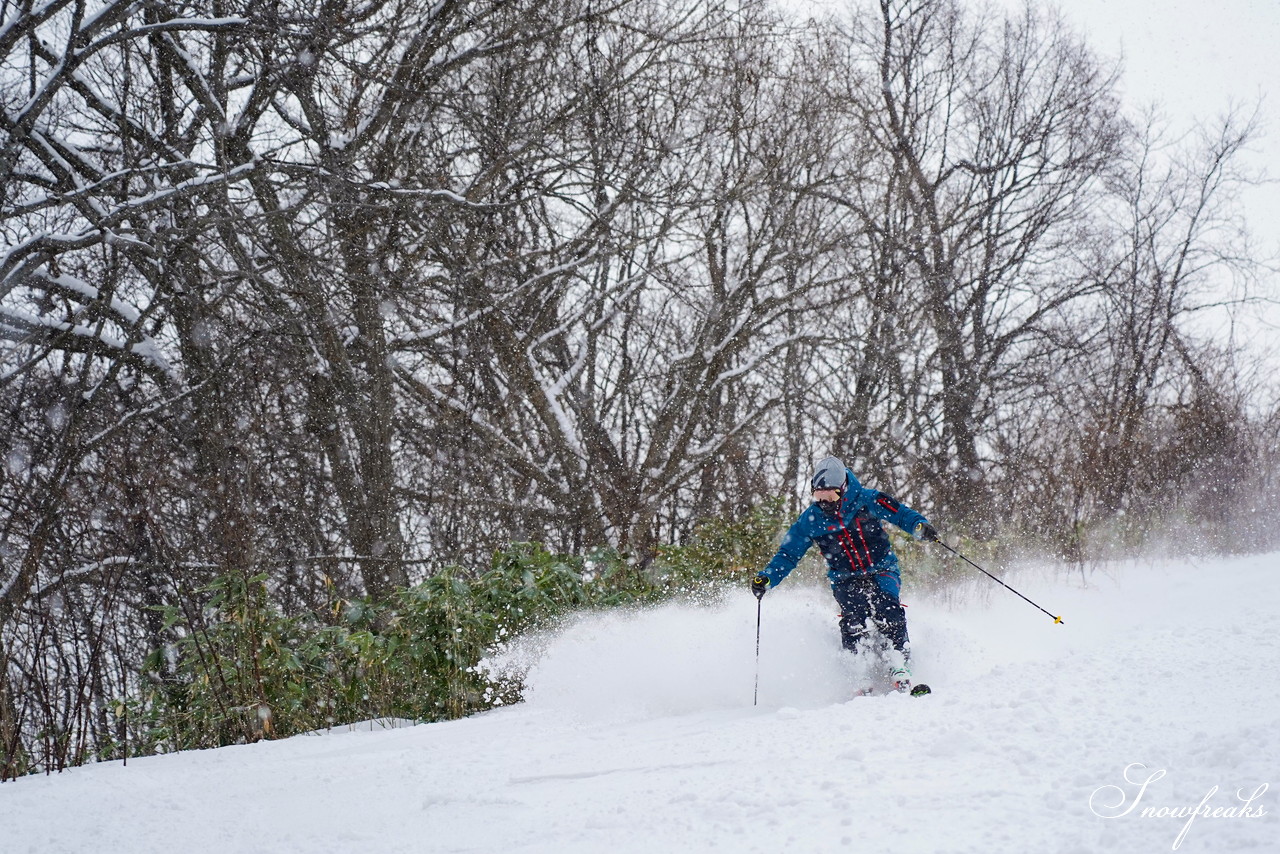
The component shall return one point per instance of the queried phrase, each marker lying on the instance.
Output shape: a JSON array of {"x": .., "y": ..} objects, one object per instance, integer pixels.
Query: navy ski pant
[{"x": 862, "y": 601}]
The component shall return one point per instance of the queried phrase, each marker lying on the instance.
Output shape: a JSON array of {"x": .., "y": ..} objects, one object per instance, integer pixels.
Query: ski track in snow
[{"x": 638, "y": 734}]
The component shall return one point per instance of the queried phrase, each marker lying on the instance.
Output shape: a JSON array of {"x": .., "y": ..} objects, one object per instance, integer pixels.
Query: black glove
[
  {"x": 759, "y": 585},
  {"x": 926, "y": 532}
]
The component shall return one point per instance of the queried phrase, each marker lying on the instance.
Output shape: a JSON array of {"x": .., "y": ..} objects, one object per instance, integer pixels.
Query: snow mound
[
  {"x": 639, "y": 735},
  {"x": 682, "y": 657}
]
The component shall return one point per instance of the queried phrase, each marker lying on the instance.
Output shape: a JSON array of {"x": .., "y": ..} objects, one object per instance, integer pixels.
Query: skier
[{"x": 844, "y": 520}]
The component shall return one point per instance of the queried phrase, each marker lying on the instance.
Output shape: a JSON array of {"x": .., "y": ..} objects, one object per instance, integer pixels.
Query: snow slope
[{"x": 639, "y": 735}]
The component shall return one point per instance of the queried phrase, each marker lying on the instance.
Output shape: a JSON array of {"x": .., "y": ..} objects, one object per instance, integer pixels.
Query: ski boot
[{"x": 900, "y": 678}]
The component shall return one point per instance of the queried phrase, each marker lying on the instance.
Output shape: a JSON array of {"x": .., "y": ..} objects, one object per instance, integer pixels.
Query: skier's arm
[
  {"x": 793, "y": 547},
  {"x": 888, "y": 508}
]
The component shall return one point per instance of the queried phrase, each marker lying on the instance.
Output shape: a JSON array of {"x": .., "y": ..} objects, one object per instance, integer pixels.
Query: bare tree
[
  {"x": 993, "y": 136},
  {"x": 1174, "y": 229}
]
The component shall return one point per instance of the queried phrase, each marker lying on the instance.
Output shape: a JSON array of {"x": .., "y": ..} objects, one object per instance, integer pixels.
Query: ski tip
[
  {"x": 920, "y": 690},
  {"x": 1058, "y": 621}
]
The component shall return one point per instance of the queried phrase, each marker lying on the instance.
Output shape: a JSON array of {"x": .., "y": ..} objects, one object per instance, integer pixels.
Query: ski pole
[
  {"x": 755, "y": 700},
  {"x": 1056, "y": 619}
]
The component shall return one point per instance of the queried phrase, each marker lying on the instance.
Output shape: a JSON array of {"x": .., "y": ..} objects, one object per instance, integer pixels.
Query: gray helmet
[{"x": 830, "y": 473}]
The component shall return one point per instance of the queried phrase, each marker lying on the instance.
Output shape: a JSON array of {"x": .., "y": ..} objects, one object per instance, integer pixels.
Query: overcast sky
[{"x": 1197, "y": 57}]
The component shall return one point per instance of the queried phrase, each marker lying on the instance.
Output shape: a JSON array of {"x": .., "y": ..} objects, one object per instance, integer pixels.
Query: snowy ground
[{"x": 639, "y": 735}]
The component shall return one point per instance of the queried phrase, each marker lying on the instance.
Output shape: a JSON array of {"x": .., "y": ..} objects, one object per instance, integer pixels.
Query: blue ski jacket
[{"x": 852, "y": 541}]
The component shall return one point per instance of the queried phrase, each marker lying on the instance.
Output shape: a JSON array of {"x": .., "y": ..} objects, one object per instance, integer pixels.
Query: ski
[{"x": 916, "y": 691}]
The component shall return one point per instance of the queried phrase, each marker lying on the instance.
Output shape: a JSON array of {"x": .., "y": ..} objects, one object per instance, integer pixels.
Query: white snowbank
[
  {"x": 681, "y": 658},
  {"x": 639, "y": 735}
]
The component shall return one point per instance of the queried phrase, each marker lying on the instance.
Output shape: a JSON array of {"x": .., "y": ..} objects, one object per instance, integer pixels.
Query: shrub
[{"x": 242, "y": 670}]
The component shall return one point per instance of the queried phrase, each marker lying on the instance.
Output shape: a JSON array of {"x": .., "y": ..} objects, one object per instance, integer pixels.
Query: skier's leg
[
  {"x": 890, "y": 618},
  {"x": 853, "y": 596}
]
